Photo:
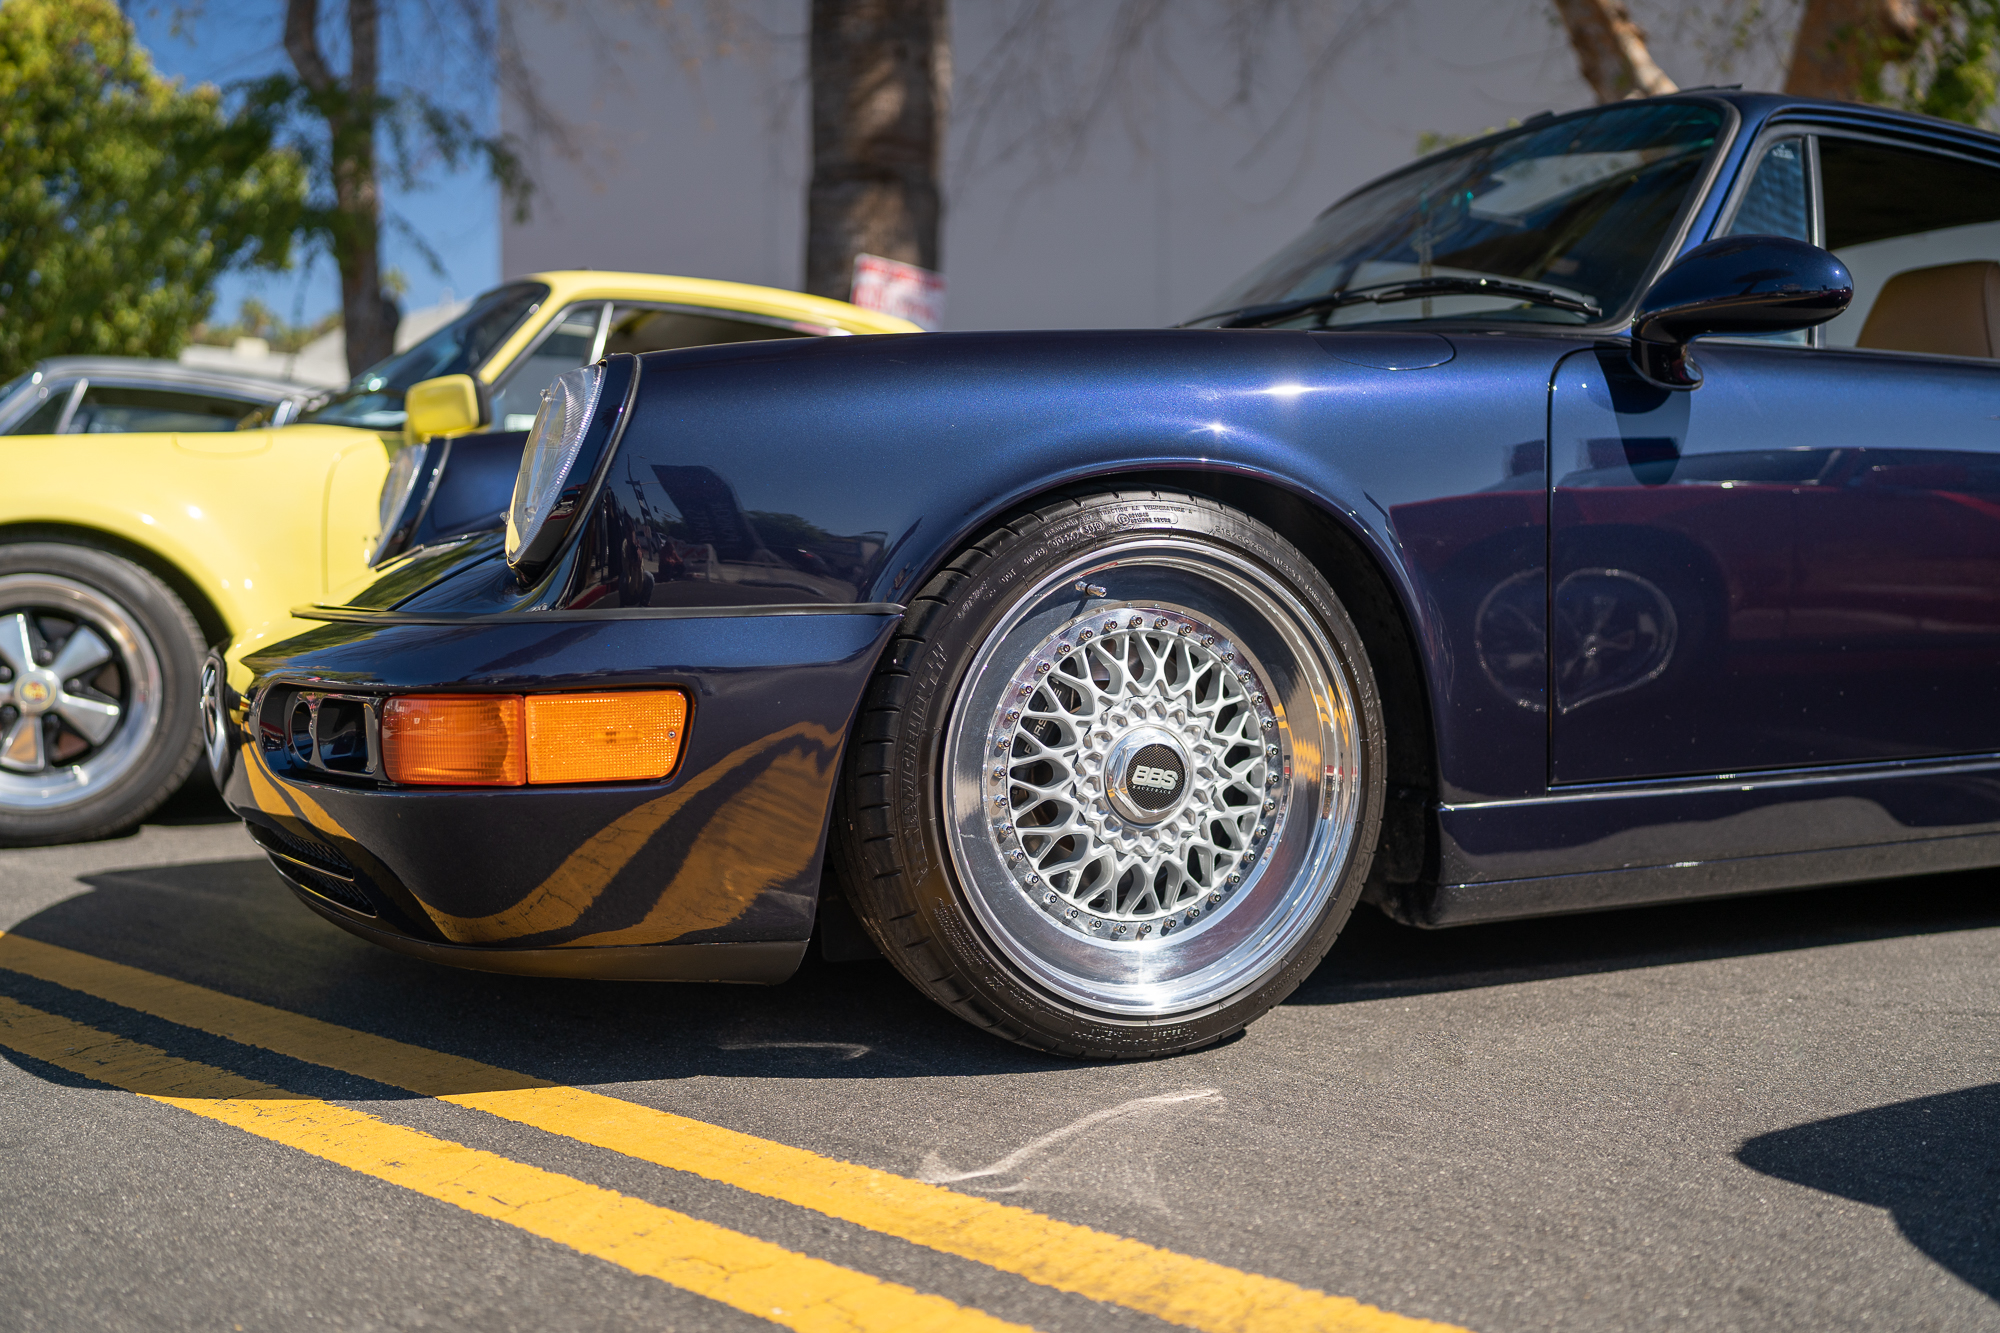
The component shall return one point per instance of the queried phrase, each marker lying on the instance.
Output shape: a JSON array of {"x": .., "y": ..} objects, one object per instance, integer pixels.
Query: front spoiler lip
[{"x": 758, "y": 962}]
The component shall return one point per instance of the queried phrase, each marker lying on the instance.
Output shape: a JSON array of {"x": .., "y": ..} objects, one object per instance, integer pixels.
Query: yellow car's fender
[{"x": 254, "y": 520}]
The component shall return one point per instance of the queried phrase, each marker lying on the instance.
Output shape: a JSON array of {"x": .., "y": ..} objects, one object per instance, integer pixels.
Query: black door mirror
[{"x": 1740, "y": 284}]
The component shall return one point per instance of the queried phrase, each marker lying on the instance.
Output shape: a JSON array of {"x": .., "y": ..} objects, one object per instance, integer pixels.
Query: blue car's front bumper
[{"x": 710, "y": 874}]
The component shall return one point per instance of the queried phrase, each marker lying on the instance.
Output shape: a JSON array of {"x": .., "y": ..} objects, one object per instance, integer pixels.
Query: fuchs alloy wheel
[
  {"x": 1117, "y": 786},
  {"x": 99, "y": 677}
]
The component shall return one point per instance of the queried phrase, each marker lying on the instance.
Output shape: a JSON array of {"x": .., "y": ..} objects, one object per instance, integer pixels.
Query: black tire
[
  {"x": 71, "y": 785},
  {"x": 921, "y": 880}
]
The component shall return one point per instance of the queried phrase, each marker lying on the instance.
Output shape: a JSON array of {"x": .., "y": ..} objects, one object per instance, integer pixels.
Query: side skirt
[{"x": 1501, "y": 900}]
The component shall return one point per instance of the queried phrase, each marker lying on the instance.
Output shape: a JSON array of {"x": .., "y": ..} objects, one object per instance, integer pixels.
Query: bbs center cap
[{"x": 1146, "y": 774}]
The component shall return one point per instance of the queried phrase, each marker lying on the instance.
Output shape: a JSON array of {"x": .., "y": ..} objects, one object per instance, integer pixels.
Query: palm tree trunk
[
  {"x": 881, "y": 90},
  {"x": 1842, "y": 45}
]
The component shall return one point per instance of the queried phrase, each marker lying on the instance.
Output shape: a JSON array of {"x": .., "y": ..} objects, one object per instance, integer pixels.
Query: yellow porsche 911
[{"x": 123, "y": 557}]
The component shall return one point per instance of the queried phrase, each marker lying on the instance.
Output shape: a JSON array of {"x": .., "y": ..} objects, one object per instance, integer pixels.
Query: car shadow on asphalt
[
  {"x": 234, "y": 927},
  {"x": 1930, "y": 1162}
]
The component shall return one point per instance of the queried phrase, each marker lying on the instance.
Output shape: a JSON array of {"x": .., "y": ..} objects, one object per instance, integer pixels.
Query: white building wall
[{"x": 1175, "y": 193}]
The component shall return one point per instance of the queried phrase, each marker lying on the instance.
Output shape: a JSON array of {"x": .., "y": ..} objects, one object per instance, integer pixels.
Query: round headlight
[
  {"x": 404, "y": 471},
  {"x": 568, "y": 407}
]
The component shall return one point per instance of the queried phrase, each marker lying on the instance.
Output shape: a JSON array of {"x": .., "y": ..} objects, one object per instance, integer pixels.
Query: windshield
[
  {"x": 1581, "y": 207},
  {"x": 374, "y": 401}
]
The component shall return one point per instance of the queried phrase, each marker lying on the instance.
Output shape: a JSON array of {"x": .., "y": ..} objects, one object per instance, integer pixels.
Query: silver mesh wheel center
[{"x": 1134, "y": 773}]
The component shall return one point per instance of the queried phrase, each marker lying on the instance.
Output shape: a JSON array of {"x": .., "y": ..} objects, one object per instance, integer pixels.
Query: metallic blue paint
[{"x": 1768, "y": 610}]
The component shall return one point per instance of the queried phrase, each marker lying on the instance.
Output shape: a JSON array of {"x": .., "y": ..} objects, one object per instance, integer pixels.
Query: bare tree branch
[
  {"x": 1611, "y": 50},
  {"x": 302, "y": 44}
]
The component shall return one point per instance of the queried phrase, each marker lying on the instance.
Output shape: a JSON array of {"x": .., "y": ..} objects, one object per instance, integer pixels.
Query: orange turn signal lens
[
  {"x": 623, "y": 737},
  {"x": 458, "y": 740}
]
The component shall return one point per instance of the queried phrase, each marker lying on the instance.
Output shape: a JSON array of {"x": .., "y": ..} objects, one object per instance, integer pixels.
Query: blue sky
[{"x": 225, "y": 41}]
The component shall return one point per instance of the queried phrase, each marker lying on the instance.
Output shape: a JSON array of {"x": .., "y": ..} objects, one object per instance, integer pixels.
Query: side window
[
  {"x": 1920, "y": 232},
  {"x": 46, "y": 418},
  {"x": 636, "y": 328},
  {"x": 566, "y": 346},
  {"x": 1777, "y": 202},
  {"x": 109, "y": 409}
]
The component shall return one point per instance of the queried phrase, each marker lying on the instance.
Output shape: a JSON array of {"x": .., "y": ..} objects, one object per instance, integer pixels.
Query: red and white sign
[{"x": 896, "y": 288}]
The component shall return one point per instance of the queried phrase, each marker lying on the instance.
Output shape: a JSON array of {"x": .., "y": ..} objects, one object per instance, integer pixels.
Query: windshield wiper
[{"x": 1257, "y": 316}]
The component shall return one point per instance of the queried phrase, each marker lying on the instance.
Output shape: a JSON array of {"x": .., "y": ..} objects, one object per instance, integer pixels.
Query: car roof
[
  {"x": 568, "y": 285},
  {"x": 148, "y": 370}
]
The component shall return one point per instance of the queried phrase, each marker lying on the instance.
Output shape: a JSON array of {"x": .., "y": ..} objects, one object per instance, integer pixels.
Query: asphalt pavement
[{"x": 1762, "y": 1114}]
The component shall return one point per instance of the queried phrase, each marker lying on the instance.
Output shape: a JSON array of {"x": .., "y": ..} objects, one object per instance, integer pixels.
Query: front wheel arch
[{"x": 215, "y": 630}]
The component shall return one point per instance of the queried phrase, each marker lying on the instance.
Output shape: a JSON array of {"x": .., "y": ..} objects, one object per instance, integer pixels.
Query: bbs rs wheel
[
  {"x": 99, "y": 680},
  {"x": 1117, "y": 784}
]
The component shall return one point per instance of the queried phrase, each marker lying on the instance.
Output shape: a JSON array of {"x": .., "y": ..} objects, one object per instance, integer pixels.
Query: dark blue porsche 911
[{"x": 1100, "y": 675}]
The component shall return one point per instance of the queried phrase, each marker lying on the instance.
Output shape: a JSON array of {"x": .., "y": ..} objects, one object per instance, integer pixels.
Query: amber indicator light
[
  {"x": 505, "y": 740},
  {"x": 458, "y": 740},
  {"x": 623, "y": 737}
]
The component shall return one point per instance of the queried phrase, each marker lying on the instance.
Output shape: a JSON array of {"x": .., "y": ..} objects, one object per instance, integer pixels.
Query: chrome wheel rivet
[
  {"x": 1214, "y": 898},
  {"x": 1161, "y": 623},
  {"x": 1062, "y": 650},
  {"x": 1086, "y": 636},
  {"x": 1041, "y": 668}
]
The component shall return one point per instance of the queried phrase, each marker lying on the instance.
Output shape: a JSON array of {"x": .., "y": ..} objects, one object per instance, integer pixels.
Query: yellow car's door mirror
[{"x": 447, "y": 405}]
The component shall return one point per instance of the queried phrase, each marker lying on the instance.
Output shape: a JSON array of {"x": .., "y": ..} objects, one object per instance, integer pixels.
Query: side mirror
[
  {"x": 447, "y": 405},
  {"x": 1740, "y": 284}
]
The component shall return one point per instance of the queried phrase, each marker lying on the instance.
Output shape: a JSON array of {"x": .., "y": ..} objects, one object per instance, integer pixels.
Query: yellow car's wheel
[{"x": 99, "y": 690}]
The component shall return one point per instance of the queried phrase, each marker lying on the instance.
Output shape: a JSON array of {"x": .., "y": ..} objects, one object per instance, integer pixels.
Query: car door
[{"x": 1799, "y": 562}]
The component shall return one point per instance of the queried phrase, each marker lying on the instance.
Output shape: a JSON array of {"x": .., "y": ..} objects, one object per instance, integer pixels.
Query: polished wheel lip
[
  {"x": 1282, "y": 896},
  {"x": 27, "y": 788}
]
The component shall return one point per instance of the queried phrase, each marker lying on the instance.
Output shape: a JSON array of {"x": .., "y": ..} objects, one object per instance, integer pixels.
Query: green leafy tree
[{"x": 123, "y": 195}]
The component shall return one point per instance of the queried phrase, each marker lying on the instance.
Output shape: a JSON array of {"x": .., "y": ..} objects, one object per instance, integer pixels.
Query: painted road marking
[
  {"x": 752, "y": 1275},
  {"x": 1175, "y": 1287}
]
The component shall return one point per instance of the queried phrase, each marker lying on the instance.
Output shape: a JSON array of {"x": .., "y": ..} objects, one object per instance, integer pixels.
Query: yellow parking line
[
  {"x": 1175, "y": 1287},
  {"x": 752, "y": 1275}
]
